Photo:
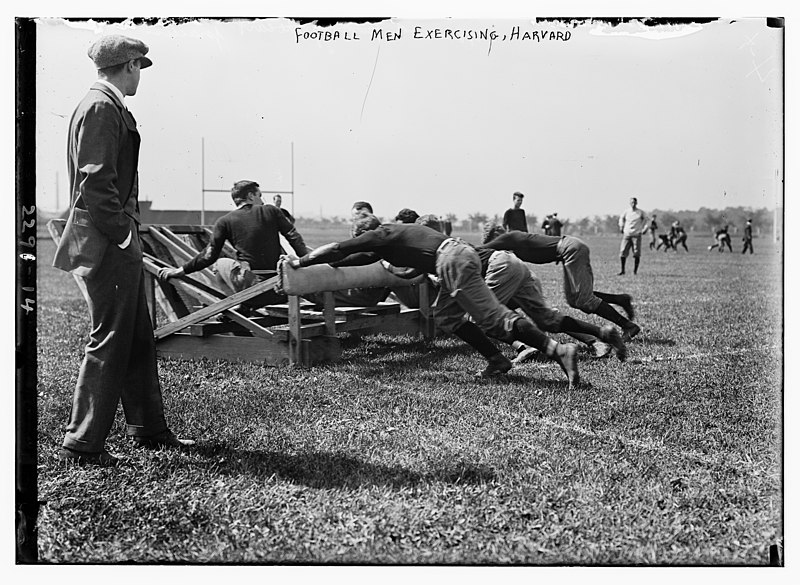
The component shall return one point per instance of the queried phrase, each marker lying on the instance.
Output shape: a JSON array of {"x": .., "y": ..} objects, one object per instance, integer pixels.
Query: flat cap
[{"x": 115, "y": 49}]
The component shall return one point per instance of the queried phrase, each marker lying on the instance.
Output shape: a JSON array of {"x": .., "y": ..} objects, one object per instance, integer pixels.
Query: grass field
[{"x": 399, "y": 455}]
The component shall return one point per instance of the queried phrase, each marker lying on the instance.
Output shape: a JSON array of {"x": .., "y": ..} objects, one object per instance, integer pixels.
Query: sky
[{"x": 579, "y": 119}]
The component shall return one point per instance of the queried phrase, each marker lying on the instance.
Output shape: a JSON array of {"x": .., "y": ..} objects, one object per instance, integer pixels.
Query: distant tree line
[{"x": 701, "y": 221}]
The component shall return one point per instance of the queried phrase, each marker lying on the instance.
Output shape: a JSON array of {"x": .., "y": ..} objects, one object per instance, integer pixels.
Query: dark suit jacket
[{"x": 102, "y": 160}]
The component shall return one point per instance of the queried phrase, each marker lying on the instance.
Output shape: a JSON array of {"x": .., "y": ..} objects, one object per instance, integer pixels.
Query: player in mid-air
[
  {"x": 461, "y": 288},
  {"x": 573, "y": 253}
]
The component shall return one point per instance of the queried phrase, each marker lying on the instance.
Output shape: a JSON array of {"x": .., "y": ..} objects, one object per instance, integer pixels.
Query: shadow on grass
[{"x": 324, "y": 470}]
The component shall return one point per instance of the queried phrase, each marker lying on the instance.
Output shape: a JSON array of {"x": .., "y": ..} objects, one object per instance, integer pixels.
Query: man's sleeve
[
  {"x": 362, "y": 245},
  {"x": 290, "y": 233},
  {"x": 357, "y": 259},
  {"x": 210, "y": 253},
  {"x": 98, "y": 147}
]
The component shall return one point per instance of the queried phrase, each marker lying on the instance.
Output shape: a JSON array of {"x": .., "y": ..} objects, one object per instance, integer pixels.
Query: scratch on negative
[{"x": 374, "y": 68}]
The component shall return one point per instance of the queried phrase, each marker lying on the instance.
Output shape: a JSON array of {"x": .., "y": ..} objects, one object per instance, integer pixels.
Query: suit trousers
[{"x": 120, "y": 358}]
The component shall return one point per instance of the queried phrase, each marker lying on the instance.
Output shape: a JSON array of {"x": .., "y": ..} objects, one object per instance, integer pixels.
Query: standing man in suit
[
  {"x": 514, "y": 218},
  {"x": 120, "y": 358}
]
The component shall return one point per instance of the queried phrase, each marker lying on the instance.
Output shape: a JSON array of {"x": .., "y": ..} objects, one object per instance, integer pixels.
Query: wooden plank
[
  {"x": 427, "y": 324},
  {"x": 183, "y": 253},
  {"x": 328, "y": 313},
  {"x": 295, "y": 334},
  {"x": 181, "y": 229},
  {"x": 180, "y": 251},
  {"x": 207, "y": 328},
  {"x": 217, "y": 308},
  {"x": 170, "y": 303},
  {"x": 153, "y": 264},
  {"x": 233, "y": 314},
  {"x": 274, "y": 352},
  {"x": 189, "y": 251}
]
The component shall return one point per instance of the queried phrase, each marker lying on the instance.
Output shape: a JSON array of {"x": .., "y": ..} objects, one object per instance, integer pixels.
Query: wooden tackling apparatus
[{"x": 200, "y": 317}]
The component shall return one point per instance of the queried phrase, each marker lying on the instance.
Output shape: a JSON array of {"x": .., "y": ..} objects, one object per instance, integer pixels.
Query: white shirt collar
[{"x": 114, "y": 89}]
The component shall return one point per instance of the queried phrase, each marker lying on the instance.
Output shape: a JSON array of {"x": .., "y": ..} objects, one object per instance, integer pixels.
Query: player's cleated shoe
[
  {"x": 610, "y": 335},
  {"x": 600, "y": 349},
  {"x": 630, "y": 332},
  {"x": 497, "y": 366},
  {"x": 566, "y": 355},
  {"x": 627, "y": 305},
  {"x": 526, "y": 355}
]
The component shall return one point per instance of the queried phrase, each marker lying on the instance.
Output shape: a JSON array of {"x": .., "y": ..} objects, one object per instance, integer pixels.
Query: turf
[{"x": 399, "y": 455}]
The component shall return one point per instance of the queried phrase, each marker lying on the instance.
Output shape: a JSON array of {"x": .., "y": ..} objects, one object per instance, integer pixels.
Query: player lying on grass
[
  {"x": 461, "y": 288},
  {"x": 517, "y": 286},
  {"x": 573, "y": 253}
]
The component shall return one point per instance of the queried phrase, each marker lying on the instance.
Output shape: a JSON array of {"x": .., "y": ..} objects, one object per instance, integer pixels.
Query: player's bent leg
[
  {"x": 477, "y": 339},
  {"x": 563, "y": 354}
]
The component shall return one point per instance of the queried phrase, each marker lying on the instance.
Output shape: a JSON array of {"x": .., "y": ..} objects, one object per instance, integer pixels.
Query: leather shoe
[
  {"x": 166, "y": 439},
  {"x": 101, "y": 459},
  {"x": 610, "y": 335},
  {"x": 527, "y": 354},
  {"x": 497, "y": 366},
  {"x": 630, "y": 332}
]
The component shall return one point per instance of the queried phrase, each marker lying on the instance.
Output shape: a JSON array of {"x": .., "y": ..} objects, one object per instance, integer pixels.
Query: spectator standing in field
[
  {"x": 120, "y": 359},
  {"x": 461, "y": 289},
  {"x": 573, "y": 253},
  {"x": 653, "y": 229},
  {"x": 748, "y": 237},
  {"x": 447, "y": 226},
  {"x": 277, "y": 200},
  {"x": 677, "y": 235},
  {"x": 406, "y": 215},
  {"x": 252, "y": 229},
  {"x": 722, "y": 239},
  {"x": 555, "y": 225},
  {"x": 545, "y": 225},
  {"x": 632, "y": 224},
  {"x": 514, "y": 218}
]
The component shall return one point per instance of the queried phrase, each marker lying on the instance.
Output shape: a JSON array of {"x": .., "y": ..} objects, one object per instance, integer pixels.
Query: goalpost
[{"x": 204, "y": 190}]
